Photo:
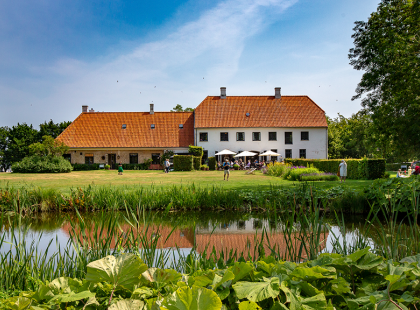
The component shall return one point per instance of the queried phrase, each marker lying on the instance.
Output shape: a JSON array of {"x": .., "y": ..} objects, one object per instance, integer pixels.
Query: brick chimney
[
  {"x": 152, "y": 109},
  {"x": 277, "y": 92},
  {"x": 84, "y": 108},
  {"x": 222, "y": 92}
]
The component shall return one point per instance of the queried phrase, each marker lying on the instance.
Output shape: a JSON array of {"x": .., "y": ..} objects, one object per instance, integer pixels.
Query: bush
[
  {"x": 183, "y": 163},
  {"x": 323, "y": 176},
  {"x": 197, "y": 162},
  {"x": 212, "y": 163},
  {"x": 276, "y": 169},
  {"x": 236, "y": 166},
  {"x": 357, "y": 169},
  {"x": 107, "y": 167},
  {"x": 196, "y": 150},
  {"x": 293, "y": 173},
  {"x": 143, "y": 166},
  {"x": 42, "y": 164},
  {"x": 85, "y": 167}
]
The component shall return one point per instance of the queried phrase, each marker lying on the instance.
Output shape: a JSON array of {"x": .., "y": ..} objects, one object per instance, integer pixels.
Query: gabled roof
[
  {"x": 104, "y": 129},
  {"x": 264, "y": 111}
]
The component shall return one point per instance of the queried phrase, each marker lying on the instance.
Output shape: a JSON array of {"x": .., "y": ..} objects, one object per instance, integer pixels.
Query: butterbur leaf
[
  {"x": 18, "y": 303},
  {"x": 43, "y": 293},
  {"x": 258, "y": 291},
  {"x": 64, "y": 285},
  {"x": 314, "y": 273},
  {"x": 124, "y": 270},
  {"x": 369, "y": 261},
  {"x": 308, "y": 288},
  {"x": 195, "y": 298},
  {"x": 411, "y": 259},
  {"x": 227, "y": 276},
  {"x": 161, "y": 276},
  {"x": 127, "y": 304},
  {"x": 142, "y": 293},
  {"x": 70, "y": 297},
  {"x": 278, "y": 306},
  {"x": 249, "y": 305},
  {"x": 358, "y": 254},
  {"x": 340, "y": 286},
  {"x": 317, "y": 302},
  {"x": 223, "y": 293},
  {"x": 240, "y": 270}
]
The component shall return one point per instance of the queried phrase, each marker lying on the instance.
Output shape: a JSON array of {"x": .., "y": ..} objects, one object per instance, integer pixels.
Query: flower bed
[{"x": 323, "y": 176}]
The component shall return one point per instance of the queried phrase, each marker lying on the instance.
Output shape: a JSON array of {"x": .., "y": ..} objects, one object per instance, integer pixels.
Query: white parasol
[
  {"x": 245, "y": 154},
  {"x": 225, "y": 152},
  {"x": 269, "y": 153}
]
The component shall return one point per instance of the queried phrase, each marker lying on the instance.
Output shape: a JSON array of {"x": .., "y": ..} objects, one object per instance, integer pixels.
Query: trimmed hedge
[
  {"x": 196, "y": 150},
  {"x": 183, "y": 163},
  {"x": 42, "y": 164},
  {"x": 197, "y": 162},
  {"x": 85, "y": 167},
  {"x": 143, "y": 166},
  {"x": 357, "y": 169},
  {"x": 212, "y": 163},
  {"x": 395, "y": 166}
]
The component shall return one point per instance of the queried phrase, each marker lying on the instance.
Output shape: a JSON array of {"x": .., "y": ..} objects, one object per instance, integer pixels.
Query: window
[
  {"x": 256, "y": 136},
  {"x": 224, "y": 136},
  {"x": 181, "y": 126},
  {"x": 272, "y": 136},
  {"x": 155, "y": 159},
  {"x": 89, "y": 159},
  {"x": 205, "y": 157},
  {"x": 204, "y": 136},
  {"x": 240, "y": 136},
  {"x": 288, "y": 139},
  {"x": 124, "y": 126},
  {"x": 152, "y": 126},
  {"x": 67, "y": 157},
  {"x": 134, "y": 158},
  {"x": 304, "y": 135},
  {"x": 288, "y": 153},
  {"x": 302, "y": 153}
]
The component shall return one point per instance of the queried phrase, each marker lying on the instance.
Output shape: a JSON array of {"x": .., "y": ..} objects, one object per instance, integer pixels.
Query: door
[{"x": 112, "y": 158}]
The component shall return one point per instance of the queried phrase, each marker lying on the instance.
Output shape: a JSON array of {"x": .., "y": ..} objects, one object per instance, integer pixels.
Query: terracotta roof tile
[
  {"x": 264, "y": 111},
  {"x": 104, "y": 129}
]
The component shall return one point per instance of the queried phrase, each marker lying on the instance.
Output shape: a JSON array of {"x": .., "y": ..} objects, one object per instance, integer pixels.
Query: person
[
  {"x": 416, "y": 171},
  {"x": 343, "y": 171},
  {"x": 400, "y": 175},
  {"x": 226, "y": 167},
  {"x": 120, "y": 169},
  {"x": 219, "y": 165},
  {"x": 167, "y": 165},
  {"x": 248, "y": 165},
  {"x": 409, "y": 170}
]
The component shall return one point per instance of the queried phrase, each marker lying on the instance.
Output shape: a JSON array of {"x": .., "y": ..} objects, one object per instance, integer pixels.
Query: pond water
[{"x": 238, "y": 231}]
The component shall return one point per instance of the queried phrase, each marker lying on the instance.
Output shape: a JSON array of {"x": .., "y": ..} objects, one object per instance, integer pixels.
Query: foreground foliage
[{"x": 361, "y": 280}]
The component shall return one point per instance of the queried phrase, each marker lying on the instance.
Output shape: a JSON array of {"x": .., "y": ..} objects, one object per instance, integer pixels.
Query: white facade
[{"x": 315, "y": 147}]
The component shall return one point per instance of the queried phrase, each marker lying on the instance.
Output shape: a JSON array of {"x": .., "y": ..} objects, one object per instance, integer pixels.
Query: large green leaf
[
  {"x": 124, "y": 270},
  {"x": 127, "y": 304},
  {"x": 240, "y": 270},
  {"x": 195, "y": 298},
  {"x": 70, "y": 297},
  {"x": 258, "y": 291},
  {"x": 317, "y": 302},
  {"x": 161, "y": 277},
  {"x": 218, "y": 281},
  {"x": 249, "y": 305},
  {"x": 411, "y": 259},
  {"x": 64, "y": 285},
  {"x": 314, "y": 273},
  {"x": 18, "y": 303}
]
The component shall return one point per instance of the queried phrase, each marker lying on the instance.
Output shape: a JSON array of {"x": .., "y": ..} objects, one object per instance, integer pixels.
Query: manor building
[{"x": 294, "y": 126}]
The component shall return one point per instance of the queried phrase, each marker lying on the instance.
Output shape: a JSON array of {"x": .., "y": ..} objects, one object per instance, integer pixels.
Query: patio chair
[{"x": 251, "y": 171}]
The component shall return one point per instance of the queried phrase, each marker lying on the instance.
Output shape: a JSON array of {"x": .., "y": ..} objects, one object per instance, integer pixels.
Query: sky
[{"x": 56, "y": 56}]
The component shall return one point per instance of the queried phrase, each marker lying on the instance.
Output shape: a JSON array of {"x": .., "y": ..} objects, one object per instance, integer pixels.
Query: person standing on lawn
[
  {"x": 167, "y": 165},
  {"x": 120, "y": 169},
  {"x": 226, "y": 167},
  {"x": 343, "y": 171}
]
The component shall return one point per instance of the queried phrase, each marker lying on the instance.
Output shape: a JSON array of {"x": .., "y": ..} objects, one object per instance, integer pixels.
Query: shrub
[
  {"x": 293, "y": 173},
  {"x": 143, "y": 166},
  {"x": 183, "y": 162},
  {"x": 197, "y": 162},
  {"x": 196, "y": 150},
  {"x": 42, "y": 164},
  {"x": 212, "y": 163},
  {"x": 375, "y": 169},
  {"x": 107, "y": 167},
  {"x": 236, "y": 166},
  {"x": 323, "y": 176},
  {"x": 276, "y": 169},
  {"x": 85, "y": 167}
]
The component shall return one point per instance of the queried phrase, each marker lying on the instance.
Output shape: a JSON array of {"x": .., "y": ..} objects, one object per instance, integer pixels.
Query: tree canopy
[
  {"x": 179, "y": 108},
  {"x": 387, "y": 48}
]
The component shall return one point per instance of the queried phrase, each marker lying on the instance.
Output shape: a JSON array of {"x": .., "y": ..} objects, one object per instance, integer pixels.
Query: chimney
[
  {"x": 277, "y": 92},
  {"x": 222, "y": 92},
  {"x": 84, "y": 108},
  {"x": 151, "y": 108},
  {"x": 91, "y": 110}
]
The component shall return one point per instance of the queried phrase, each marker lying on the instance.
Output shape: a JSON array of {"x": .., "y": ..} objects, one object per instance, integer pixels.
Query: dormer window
[
  {"x": 124, "y": 126},
  {"x": 181, "y": 126},
  {"x": 152, "y": 126},
  {"x": 247, "y": 114}
]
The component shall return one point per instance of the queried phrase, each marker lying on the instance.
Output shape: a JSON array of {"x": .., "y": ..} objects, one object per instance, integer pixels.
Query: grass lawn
[{"x": 134, "y": 179}]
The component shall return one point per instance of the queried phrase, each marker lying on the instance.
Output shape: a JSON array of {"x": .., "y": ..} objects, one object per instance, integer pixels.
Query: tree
[
  {"x": 48, "y": 147},
  {"x": 52, "y": 129},
  {"x": 18, "y": 141},
  {"x": 4, "y": 133},
  {"x": 179, "y": 108},
  {"x": 387, "y": 48}
]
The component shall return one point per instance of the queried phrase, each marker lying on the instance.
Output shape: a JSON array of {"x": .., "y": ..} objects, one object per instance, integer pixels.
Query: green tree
[
  {"x": 48, "y": 147},
  {"x": 387, "y": 48},
  {"x": 18, "y": 141},
  {"x": 179, "y": 108},
  {"x": 4, "y": 136},
  {"x": 52, "y": 129}
]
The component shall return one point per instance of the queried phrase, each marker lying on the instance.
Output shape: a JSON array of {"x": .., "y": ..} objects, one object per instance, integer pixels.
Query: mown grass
[{"x": 132, "y": 180}]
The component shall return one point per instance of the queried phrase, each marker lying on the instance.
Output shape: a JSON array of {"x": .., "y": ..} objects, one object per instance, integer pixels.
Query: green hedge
[
  {"x": 197, "y": 162},
  {"x": 183, "y": 163},
  {"x": 196, "y": 150},
  {"x": 143, "y": 166},
  {"x": 42, "y": 164},
  {"x": 85, "y": 167},
  {"x": 212, "y": 163},
  {"x": 357, "y": 169},
  {"x": 395, "y": 166}
]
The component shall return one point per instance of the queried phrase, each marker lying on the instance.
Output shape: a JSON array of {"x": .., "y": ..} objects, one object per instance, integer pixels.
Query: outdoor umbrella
[
  {"x": 225, "y": 152},
  {"x": 270, "y": 153},
  {"x": 245, "y": 154}
]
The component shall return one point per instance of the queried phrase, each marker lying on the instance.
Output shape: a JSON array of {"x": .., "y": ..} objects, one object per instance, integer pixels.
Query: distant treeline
[{"x": 15, "y": 141}]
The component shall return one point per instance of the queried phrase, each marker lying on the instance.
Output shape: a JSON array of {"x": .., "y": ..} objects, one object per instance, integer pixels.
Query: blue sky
[{"x": 56, "y": 56}]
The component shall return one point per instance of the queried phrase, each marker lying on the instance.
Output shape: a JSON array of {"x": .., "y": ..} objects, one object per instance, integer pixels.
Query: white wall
[{"x": 316, "y": 146}]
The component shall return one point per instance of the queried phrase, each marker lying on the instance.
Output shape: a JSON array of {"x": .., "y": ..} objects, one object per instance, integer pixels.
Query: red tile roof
[
  {"x": 264, "y": 111},
  {"x": 104, "y": 129}
]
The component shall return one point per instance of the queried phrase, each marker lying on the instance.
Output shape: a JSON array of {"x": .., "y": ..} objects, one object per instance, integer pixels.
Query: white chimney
[
  {"x": 91, "y": 110},
  {"x": 151, "y": 108},
  {"x": 84, "y": 108},
  {"x": 222, "y": 92},
  {"x": 277, "y": 92}
]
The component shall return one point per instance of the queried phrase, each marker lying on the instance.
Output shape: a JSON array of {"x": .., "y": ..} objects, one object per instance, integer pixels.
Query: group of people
[
  {"x": 413, "y": 169},
  {"x": 241, "y": 164}
]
